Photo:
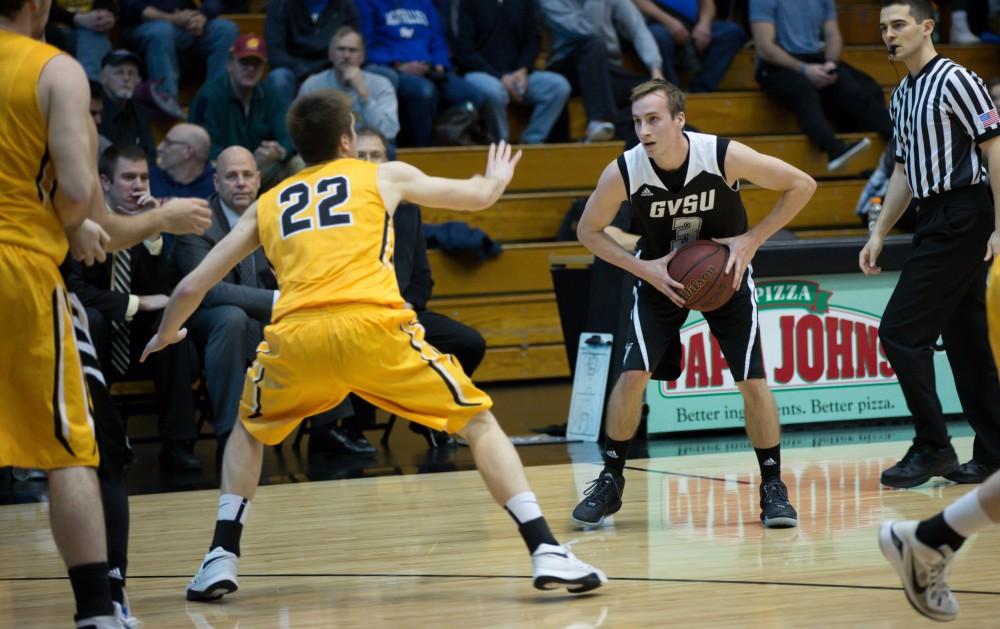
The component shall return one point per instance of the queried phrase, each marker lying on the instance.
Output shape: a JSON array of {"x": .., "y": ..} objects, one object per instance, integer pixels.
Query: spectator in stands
[
  {"x": 160, "y": 29},
  {"x": 96, "y": 112},
  {"x": 406, "y": 43},
  {"x": 124, "y": 297},
  {"x": 496, "y": 45},
  {"x": 182, "y": 168},
  {"x": 238, "y": 110},
  {"x": 585, "y": 49},
  {"x": 228, "y": 326},
  {"x": 692, "y": 40},
  {"x": 298, "y": 34},
  {"x": 123, "y": 119},
  {"x": 374, "y": 98},
  {"x": 795, "y": 67},
  {"x": 413, "y": 273},
  {"x": 81, "y": 27}
]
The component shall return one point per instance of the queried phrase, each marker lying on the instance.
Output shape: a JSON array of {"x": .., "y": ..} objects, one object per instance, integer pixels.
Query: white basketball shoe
[
  {"x": 923, "y": 570},
  {"x": 216, "y": 576},
  {"x": 557, "y": 565}
]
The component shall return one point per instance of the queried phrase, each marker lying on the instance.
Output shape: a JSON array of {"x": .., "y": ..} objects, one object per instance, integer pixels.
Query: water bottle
[{"x": 874, "y": 209}]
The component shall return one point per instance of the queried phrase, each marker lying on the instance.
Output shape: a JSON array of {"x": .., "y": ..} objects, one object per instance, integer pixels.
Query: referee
[{"x": 946, "y": 132}]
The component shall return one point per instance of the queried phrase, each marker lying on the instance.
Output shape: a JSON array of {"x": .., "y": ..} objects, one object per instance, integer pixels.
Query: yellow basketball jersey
[
  {"x": 329, "y": 237},
  {"x": 27, "y": 178}
]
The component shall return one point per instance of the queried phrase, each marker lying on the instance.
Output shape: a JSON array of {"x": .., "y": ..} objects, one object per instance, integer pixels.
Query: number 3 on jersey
[{"x": 297, "y": 199}]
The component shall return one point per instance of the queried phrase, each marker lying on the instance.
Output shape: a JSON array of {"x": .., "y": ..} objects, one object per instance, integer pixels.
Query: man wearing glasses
[
  {"x": 182, "y": 168},
  {"x": 372, "y": 96}
]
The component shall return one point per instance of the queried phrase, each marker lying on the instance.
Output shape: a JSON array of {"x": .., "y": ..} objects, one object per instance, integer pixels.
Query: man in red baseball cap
[
  {"x": 249, "y": 45},
  {"x": 237, "y": 108}
]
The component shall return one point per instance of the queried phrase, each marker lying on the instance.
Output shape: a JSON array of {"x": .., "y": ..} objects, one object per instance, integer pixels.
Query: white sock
[
  {"x": 966, "y": 515},
  {"x": 524, "y": 507},
  {"x": 233, "y": 508}
]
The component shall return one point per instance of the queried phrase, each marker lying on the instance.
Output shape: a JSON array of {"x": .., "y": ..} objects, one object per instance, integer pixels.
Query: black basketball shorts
[{"x": 653, "y": 340}]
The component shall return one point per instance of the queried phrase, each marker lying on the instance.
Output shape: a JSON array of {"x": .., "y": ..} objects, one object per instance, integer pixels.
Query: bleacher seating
[{"x": 510, "y": 299}]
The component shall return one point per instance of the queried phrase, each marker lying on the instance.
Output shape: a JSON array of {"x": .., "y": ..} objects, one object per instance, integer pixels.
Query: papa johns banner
[{"x": 822, "y": 358}]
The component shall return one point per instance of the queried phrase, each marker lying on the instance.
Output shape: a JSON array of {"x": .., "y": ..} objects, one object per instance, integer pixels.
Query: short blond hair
[{"x": 675, "y": 97}]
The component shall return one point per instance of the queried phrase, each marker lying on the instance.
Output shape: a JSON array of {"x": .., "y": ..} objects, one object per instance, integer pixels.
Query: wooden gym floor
[{"x": 687, "y": 549}]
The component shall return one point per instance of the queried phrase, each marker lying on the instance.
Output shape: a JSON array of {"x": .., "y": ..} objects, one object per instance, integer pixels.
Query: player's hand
[
  {"x": 151, "y": 303},
  {"x": 993, "y": 246},
  {"x": 160, "y": 340},
  {"x": 655, "y": 273},
  {"x": 88, "y": 242},
  {"x": 742, "y": 249},
  {"x": 186, "y": 216},
  {"x": 500, "y": 164},
  {"x": 868, "y": 258}
]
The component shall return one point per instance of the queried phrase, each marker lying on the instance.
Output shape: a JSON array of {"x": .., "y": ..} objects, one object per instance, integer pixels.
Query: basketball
[{"x": 699, "y": 266}]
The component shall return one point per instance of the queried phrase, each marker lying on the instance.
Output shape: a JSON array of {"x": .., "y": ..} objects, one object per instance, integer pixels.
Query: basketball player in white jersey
[{"x": 684, "y": 187}]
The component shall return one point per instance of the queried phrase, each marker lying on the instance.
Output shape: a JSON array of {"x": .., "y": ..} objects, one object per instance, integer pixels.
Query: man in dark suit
[
  {"x": 228, "y": 326},
  {"x": 124, "y": 297}
]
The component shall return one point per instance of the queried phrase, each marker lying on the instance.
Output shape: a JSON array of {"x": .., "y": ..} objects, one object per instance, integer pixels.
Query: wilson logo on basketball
[
  {"x": 693, "y": 287},
  {"x": 691, "y": 204}
]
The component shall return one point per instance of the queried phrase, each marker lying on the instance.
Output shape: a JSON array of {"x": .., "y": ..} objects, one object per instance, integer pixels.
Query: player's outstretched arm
[
  {"x": 742, "y": 162},
  {"x": 238, "y": 244},
  {"x": 602, "y": 206},
  {"x": 398, "y": 181},
  {"x": 177, "y": 216},
  {"x": 897, "y": 198}
]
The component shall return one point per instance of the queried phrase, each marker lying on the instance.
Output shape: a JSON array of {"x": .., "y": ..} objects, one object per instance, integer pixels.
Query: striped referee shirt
[{"x": 939, "y": 118}]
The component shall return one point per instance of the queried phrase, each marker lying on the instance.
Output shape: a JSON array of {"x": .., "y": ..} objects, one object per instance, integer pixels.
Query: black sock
[
  {"x": 117, "y": 564},
  {"x": 91, "y": 590},
  {"x": 536, "y": 532},
  {"x": 615, "y": 454},
  {"x": 227, "y": 534},
  {"x": 769, "y": 460},
  {"x": 935, "y": 532}
]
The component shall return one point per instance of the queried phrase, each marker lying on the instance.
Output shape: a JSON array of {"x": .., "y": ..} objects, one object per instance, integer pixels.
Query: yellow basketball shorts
[
  {"x": 993, "y": 309},
  {"x": 45, "y": 419},
  {"x": 309, "y": 362}
]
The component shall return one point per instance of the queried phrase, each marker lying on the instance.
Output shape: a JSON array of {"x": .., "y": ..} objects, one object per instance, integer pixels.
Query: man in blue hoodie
[{"x": 406, "y": 43}]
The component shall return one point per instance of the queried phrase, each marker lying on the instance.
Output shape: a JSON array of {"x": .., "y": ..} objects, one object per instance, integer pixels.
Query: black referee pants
[{"x": 941, "y": 292}]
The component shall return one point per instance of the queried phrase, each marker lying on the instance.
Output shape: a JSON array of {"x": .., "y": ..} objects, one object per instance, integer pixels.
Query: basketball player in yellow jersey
[
  {"x": 46, "y": 135},
  {"x": 339, "y": 326},
  {"x": 922, "y": 552}
]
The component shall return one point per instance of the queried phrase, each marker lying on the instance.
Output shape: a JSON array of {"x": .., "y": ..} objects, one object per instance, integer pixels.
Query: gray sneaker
[{"x": 923, "y": 570}]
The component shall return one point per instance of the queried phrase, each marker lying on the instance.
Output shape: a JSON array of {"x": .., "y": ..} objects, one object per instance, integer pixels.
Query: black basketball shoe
[
  {"x": 775, "y": 510},
  {"x": 919, "y": 464},
  {"x": 603, "y": 497}
]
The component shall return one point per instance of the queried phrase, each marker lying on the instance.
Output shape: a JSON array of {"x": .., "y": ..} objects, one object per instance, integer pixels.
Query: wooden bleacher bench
[
  {"x": 536, "y": 216},
  {"x": 510, "y": 299},
  {"x": 548, "y": 167}
]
